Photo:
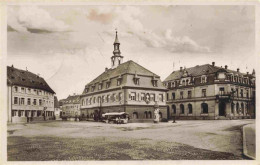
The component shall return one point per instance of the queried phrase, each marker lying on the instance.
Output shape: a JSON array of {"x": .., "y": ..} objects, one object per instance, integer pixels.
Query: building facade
[
  {"x": 125, "y": 87},
  {"x": 71, "y": 107},
  {"x": 210, "y": 92},
  {"x": 29, "y": 97}
]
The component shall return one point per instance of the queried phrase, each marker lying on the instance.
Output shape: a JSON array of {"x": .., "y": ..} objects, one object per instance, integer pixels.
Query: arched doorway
[
  {"x": 145, "y": 115},
  {"x": 135, "y": 115},
  {"x": 173, "y": 109},
  {"x": 168, "y": 112},
  {"x": 221, "y": 108}
]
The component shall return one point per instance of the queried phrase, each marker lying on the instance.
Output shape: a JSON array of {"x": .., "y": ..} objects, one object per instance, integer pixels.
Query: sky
[{"x": 71, "y": 45}]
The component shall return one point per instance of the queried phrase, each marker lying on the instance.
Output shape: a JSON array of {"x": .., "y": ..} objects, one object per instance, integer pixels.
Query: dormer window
[
  {"x": 136, "y": 80},
  {"x": 100, "y": 86},
  {"x": 203, "y": 79},
  {"x": 93, "y": 88},
  {"x": 86, "y": 90},
  {"x": 119, "y": 81},
  {"x": 155, "y": 83},
  {"x": 108, "y": 84},
  {"x": 173, "y": 84},
  {"x": 16, "y": 89}
]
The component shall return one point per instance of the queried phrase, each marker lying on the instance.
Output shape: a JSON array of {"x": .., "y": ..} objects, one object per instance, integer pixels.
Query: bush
[{"x": 164, "y": 120}]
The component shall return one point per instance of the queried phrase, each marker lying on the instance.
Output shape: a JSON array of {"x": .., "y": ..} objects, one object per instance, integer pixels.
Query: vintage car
[{"x": 116, "y": 117}]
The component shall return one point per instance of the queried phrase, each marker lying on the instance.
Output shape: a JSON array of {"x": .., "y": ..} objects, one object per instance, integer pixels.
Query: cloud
[
  {"x": 34, "y": 19},
  {"x": 127, "y": 20}
]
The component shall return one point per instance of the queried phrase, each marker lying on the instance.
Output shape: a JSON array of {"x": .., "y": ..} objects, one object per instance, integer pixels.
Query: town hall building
[
  {"x": 210, "y": 92},
  {"x": 125, "y": 87}
]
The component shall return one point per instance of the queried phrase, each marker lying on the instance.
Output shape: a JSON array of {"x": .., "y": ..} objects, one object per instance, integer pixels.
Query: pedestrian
[{"x": 119, "y": 121}]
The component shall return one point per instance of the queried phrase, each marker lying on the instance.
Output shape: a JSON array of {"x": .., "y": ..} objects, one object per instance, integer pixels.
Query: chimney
[
  {"x": 74, "y": 94},
  {"x": 226, "y": 66},
  {"x": 12, "y": 65},
  {"x": 106, "y": 69},
  {"x": 213, "y": 63},
  {"x": 181, "y": 68},
  {"x": 237, "y": 69}
]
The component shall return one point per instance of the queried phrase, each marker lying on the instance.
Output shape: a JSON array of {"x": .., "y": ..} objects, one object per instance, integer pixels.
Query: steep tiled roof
[
  {"x": 75, "y": 99},
  {"x": 27, "y": 79},
  {"x": 199, "y": 70},
  {"x": 129, "y": 67}
]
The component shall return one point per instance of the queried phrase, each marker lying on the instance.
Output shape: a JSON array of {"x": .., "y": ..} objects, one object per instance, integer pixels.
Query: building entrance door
[
  {"x": 222, "y": 108},
  {"x": 168, "y": 112}
]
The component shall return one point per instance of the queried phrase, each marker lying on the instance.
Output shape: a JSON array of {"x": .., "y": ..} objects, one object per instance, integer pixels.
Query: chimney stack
[
  {"x": 181, "y": 68},
  {"x": 237, "y": 69},
  {"x": 106, "y": 69},
  {"x": 226, "y": 66},
  {"x": 213, "y": 63}
]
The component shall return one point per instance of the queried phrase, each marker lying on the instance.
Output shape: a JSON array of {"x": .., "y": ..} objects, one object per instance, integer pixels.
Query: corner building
[
  {"x": 29, "y": 97},
  {"x": 125, "y": 87},
  {"x": 210, "y": 92}
]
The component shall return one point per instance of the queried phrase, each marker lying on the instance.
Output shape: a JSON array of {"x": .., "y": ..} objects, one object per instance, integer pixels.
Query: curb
[{"x": 245, "y": 152}]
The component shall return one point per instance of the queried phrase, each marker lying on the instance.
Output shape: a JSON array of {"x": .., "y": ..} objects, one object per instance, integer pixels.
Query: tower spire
[{"x": 116, "y": 59}]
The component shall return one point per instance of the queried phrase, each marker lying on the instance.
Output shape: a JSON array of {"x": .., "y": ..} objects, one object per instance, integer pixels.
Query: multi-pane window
[
  {"x": 103, "y": 99},
  {"x": 16, "y": 89},
  {"x": 22, "y": 89},
  {"x": 242, "y": 93},
  {"x": 22, "y": 101},
  {"x": 136, "y": 81},
  {"x": 119, "y": 81},
  {"x": 40, "y": 102},
  {"x": 237, "y": 92},
  {"x": 154, "y": 82},
  {"x": 167, "y": 96},
  {"x": 108, "y": 84},
  {"x": 86, "y": 90},
  {"x": 120, "y": 96},
  {"x": 15, "y": 100},
  {"x": 93, "y": 88},
  {"x": 94, "y": 100},
  {"x": 90, "y": 101},
  {"x": 222, "y": 91},
  {"x": 142, "y": 96},
  {"x": 34, "y": 101},
  {"x": 133, "y": 96},
  {"x": 152, "y": 96},
  {"x": 181, "y": 95},
  {"x": 203, "y": 79},
  {"x": 173, "y": 96},
  {"x": 29, "y": 90},
  {"x": 108, "y": 98},
  {"x": 28, "y": 101},
  {"x": 204, "y": 92},
  {"x": 189, "y": 94},
  {"x": 100, "y": 86},
  {"x": 160, "y": 97},
  {"x": 247, "y": 93}
]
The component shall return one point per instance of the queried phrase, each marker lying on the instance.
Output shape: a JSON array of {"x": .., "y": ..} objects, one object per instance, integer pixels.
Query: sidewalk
[{"x": 249, "y": 141}]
